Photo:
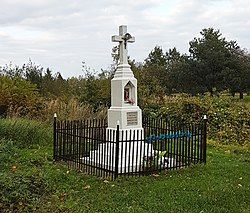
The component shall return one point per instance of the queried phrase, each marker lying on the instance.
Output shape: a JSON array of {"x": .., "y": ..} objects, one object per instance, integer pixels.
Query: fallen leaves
[
  {"x": 62, "y": 197},
  {"x": 14, "y": 168},
  {"x": 86, "y": 187}
]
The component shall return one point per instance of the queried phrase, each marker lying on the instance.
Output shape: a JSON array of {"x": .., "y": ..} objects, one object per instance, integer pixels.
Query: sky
[{"x": 61, "y": 34}]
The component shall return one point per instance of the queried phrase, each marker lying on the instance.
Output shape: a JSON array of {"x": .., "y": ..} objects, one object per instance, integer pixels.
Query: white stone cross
[{"x": 123, "y": 38}]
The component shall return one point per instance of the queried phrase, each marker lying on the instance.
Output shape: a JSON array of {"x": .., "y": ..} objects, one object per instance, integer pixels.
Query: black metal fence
[{"x": 160, "y": 145}]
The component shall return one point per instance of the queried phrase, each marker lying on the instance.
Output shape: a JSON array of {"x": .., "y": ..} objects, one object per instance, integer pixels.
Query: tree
[
  {"x": 96, "y": 91},
  {"x": 154, "y": 72},
  {"x": 60, "y": 86},
  {"x": 11, "y": 71},
  {"x": 237, "y": 76},
  {"x": 210, "y": 54},
  {"x": 156, "y": 58},
  {"x": 48, "y": 81},
  {"x": 34, "y": 74},
  {"x": 177, "y": 78}
]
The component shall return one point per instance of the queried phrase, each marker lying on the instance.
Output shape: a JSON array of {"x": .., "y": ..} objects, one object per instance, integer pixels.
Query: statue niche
[{"x": 129, "y": 93}]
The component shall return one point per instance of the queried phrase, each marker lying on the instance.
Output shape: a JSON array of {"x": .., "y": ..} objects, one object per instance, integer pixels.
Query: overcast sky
[{"x": 60, "y": 34}]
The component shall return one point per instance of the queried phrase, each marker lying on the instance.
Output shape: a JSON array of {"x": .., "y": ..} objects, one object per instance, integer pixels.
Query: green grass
[
  {"x": 31, "y": 182},
  {"x": 245, "y": 100},
  {"x": 25, "y": 133}
]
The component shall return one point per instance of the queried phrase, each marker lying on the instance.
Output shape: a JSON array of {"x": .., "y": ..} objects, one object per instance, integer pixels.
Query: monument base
[
  {"x": 132, "y": 151},
  {"x": 129, "y": 117}
]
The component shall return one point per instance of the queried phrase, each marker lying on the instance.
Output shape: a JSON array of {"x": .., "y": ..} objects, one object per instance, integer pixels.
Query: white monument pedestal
[{"x": 132, "y": 150}]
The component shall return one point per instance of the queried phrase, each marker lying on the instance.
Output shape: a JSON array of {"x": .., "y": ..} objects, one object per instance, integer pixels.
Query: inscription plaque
[{"x": 132, "y": 118}]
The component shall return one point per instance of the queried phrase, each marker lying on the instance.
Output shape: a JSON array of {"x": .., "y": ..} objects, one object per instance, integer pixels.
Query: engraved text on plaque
[{"x": 132, "y": 118}]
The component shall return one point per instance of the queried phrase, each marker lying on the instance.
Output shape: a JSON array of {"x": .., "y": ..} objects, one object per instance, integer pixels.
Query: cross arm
[
  {"x": 116, "y": 38},
  {"x": 131, "y": 40}
]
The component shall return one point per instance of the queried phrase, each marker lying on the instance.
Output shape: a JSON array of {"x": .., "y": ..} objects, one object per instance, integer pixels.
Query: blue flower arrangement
[{"x": 177, "y": 134}]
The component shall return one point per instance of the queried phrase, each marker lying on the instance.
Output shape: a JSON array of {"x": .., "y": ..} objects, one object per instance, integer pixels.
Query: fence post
[
  {"x": 54, "y": 138},
  {"x": 204, "y": 144},
  {"x": 117, "y": 150}
]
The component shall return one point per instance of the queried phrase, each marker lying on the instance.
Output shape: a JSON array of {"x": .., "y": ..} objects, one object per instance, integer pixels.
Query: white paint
[
  {"x": 120, "y": 107},
  {"x": 123, "y": 38},
  {"x": 123, "y": 76},
  {"x": 130, "y": 157},
  {"x": 166, "y": 162}
]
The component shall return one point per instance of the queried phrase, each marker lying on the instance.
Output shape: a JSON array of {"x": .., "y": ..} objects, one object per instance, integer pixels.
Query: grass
[
  {"x": 246, "y": 99},
  {"x": 31, "y": 182},
  {"x": 25, "y": 133}
]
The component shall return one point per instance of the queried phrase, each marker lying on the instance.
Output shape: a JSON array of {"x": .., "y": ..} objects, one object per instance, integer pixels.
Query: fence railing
[{"x": 160, "y": 145}]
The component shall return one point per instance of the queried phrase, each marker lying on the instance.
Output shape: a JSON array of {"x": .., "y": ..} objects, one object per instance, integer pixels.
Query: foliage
[
  {"x": 213, "y": 65},
  {"x": 155, "y": 162},
  {"x": 22, "y": 158},
  {"x": 25, "y": 133},
  {"x": 238, "y": 76},
  {"x": 210, "y": 54},
  {"x": 17, "y": 94},
  {"x": 215, "y": 58},
  {"x": 71, "y": 109},
  {"x": 228, "y": 121},
  {"x": 97, "y": 90},
  {"x": 156, "y": 58}
]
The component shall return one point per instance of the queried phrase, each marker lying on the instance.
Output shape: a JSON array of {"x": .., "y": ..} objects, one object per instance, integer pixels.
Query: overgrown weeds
[{"x": 26, "y": 133}]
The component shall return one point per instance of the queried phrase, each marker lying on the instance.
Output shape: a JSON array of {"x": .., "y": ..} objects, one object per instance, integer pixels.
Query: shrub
[
  {"x": 228, "y": 120},
  {"x": 17, "y": 96}
]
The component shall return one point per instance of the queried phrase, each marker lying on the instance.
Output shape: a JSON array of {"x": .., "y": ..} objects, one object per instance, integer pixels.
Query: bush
[
  {"x": 228, "y": 120},
  {"x": 17, "y": 96}
]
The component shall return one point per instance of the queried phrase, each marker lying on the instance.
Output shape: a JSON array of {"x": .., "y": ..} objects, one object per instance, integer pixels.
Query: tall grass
[
  {"x": 71, "y": 109},
  {"x": 66, "y": 109},
  {"x": 26, "y": 133}
]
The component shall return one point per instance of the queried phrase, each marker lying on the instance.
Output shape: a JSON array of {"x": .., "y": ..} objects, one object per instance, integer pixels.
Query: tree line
[{"x": 212, "y": 65}]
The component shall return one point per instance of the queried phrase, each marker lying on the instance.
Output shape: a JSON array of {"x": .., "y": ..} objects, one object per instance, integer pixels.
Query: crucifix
[{"x": 123, "y": 38}]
